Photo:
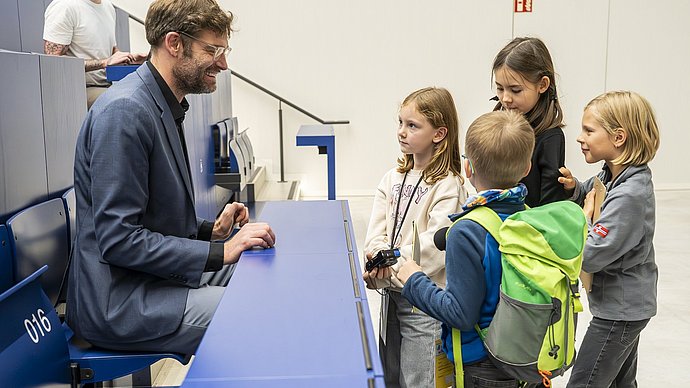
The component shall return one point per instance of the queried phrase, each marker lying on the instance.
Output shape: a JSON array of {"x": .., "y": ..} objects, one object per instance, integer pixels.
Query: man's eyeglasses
[{"x": 217, "y": 50}]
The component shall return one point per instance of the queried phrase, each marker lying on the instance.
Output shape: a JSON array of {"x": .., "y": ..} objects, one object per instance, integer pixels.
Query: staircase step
[{"x": 280, "y": 191}]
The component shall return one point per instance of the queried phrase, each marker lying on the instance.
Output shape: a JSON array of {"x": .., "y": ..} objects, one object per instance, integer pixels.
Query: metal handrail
[
  {"x": 292, "y": 105},
  {"x": 136, "y": 19},
  {"x": 281, "y": 100}
]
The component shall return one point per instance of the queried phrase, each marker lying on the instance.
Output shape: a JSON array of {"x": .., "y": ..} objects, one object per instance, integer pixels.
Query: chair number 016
[{"x": 38, "y": 321}]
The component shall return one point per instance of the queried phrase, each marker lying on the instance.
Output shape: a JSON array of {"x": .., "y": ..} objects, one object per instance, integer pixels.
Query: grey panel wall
[
  {"x": 200, "y": 150},
  {"x": 62, "y": 117},
  {"x": 23, "y": 177},
  {"x": 9, "y": 26},
  {"x": 31, "y": 17},
  {"x": 122, "y": 29}
]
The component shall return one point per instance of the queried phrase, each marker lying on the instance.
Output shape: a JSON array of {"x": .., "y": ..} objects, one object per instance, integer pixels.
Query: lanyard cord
[{"x": 397, "y": 207}]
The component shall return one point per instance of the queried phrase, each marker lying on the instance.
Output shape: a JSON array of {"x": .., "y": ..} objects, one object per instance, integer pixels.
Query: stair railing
[{"x": 281, "y": 100}]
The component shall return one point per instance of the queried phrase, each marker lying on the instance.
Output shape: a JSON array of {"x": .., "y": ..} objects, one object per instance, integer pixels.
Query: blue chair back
[
  {"x": 38, "y": 236},
  {"x": 33, "y": 348},
  {"x": 6, "y": 265}
]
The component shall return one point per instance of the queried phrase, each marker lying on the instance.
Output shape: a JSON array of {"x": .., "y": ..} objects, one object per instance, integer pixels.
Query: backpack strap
[
  {"x": 490, "y": 221},
  {"x": 485, "y": 217},
  {"x": 457, "y": 357}
]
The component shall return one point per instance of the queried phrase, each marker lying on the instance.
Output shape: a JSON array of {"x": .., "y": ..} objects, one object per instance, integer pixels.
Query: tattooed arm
[
  {"x": 51, "y": 48},
  {"x": 118, "y": 57}
]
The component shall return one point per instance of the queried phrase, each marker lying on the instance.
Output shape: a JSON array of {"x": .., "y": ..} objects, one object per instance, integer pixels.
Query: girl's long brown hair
[{"x": 531, "y": 59}]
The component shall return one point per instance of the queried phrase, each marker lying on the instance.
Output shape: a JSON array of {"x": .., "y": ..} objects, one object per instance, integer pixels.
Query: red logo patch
[{"x": 600, "y": 230}]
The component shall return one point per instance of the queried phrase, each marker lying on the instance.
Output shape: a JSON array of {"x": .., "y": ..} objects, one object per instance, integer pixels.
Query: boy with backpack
[{"x": 533, "y": 271}]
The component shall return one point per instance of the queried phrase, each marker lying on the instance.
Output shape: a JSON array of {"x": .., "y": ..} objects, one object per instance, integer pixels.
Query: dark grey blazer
[{"x": 136, "y": 253}]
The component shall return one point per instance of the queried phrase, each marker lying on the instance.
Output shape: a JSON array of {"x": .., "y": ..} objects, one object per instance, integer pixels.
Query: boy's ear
[
  {"x": 529, "y": 167},
  {"x": 440, "y": 134},
  {"x": 620, "y": 137},
  {"x": 544, "y": 84},
  {"x": 468, "y": 168}
]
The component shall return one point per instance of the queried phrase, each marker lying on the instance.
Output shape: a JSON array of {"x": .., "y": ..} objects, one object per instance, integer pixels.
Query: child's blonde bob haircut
[
  {"x": 437, "y": 105},
  {"x": 499, "y": 147},
  {"x": 632, "y": 112}
]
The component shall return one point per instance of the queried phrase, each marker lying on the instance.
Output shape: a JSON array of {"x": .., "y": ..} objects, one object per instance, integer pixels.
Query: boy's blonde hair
[
  {"x": 632, "y": 112},
  {"x": 499, "y": 146},
  {"x": 437, "y": 105}
]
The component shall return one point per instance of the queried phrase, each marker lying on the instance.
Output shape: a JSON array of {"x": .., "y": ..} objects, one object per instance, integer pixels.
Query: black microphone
[
  {"x": 440, "y": 239},
  {"x": 494, "y": 98}
]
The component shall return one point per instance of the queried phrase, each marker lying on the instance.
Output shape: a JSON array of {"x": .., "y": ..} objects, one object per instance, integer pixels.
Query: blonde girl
[{"x": 425, "y": 187}]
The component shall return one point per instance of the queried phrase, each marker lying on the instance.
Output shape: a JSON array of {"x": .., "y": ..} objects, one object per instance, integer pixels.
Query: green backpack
[{"x": 532, "y": 334}]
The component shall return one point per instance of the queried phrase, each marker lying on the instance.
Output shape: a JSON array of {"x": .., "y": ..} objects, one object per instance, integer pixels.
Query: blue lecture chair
[
  {"x": 33, "y": 347},
  {"x": 32, "y": 336},
  {"x": 38, "y": 237}
]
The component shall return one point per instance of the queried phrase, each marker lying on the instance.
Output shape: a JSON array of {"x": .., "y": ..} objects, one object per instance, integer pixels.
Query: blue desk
[
  {"x": 116, "y": 73},
  {"x": 295, "y": 315},
  {"x": 322, "y": 136}
]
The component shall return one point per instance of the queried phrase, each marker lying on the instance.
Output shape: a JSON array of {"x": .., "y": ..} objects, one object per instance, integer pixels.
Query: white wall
[
  {"x": 577, "y": 43},
  {"x": 357, "y": 60},
  {"x": 649, "y": 52}
]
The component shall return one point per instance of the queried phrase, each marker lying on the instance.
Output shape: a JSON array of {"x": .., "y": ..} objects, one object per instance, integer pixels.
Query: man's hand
[
  {"x": 234, "y": 213},
  {"x": 251, "y": 235},
  {"x": 119, "y": 58},
  {"x": 407, "y": 269},
  {"x": 567, "y": 179},
  {"x": 139, "y": 58}
]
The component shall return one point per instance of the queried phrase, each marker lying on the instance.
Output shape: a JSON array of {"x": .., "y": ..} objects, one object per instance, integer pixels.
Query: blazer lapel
[{"x": 170, "y": 128}]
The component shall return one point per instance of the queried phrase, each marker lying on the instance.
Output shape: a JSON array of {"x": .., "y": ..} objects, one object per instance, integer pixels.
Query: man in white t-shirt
[{"x": 86, "y": 29}]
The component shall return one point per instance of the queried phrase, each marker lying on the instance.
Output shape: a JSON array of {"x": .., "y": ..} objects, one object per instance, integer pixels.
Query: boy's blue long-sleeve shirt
[{"x": 473, "y": 279}]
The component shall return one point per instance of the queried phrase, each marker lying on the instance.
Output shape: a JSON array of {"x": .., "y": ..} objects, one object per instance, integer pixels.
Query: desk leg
[{"x": 331, "y": 168}]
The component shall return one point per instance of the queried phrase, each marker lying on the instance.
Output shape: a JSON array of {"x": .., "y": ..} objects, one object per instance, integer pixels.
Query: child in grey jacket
[{"x": 620, "y": 129}]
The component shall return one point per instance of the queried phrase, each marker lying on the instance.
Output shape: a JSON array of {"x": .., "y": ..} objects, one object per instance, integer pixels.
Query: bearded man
[{"x": 147, "y": 274}]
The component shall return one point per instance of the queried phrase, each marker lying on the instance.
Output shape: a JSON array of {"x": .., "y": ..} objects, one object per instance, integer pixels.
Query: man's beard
[{"x": 189, "y": 77}]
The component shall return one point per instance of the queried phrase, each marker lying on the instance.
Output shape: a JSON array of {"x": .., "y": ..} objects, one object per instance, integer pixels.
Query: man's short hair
[
  {"x": 188, "y": 16},
  {"x": 499, "y": 145}
]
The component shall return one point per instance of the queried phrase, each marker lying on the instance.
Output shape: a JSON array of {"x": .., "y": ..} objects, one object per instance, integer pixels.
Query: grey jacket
[
  {"x": 619, "y": 249},
  {"x": 136, "y": 254}
]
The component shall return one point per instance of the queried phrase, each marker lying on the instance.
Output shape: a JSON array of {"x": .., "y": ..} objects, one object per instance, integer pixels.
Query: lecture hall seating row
[
  {"x": 38, "y": 129},
  {"x": 36, "y": 348}
]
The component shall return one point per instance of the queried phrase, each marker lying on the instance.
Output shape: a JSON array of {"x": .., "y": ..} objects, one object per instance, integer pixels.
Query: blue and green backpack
[{"x": 532, "y": 334}]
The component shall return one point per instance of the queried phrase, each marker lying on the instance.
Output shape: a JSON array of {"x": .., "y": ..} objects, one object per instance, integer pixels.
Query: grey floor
[{"x": 664, "y": 343}]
